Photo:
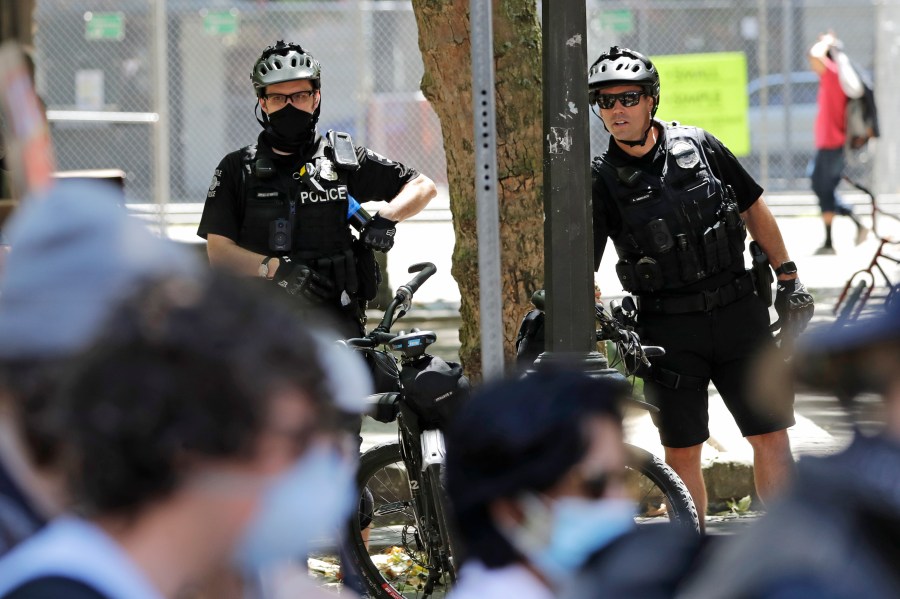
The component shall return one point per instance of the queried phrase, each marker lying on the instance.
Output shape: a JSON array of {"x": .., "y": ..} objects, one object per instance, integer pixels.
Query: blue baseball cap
[
  {"x": 75, "y": 254},
  {"x": 524, "y": 434},
  {"x": 836, "y": 338}
]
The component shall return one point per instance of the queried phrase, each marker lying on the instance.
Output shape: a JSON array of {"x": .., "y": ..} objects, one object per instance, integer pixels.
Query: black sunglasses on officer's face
[{"x": 607, "y": 101}]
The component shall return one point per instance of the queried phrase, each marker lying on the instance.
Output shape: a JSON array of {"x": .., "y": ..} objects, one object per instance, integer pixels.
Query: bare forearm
[
  {"x": 411, "y": 200},
  {"x": 225, "y": 253},
  {"x": 764, "y": 229}
]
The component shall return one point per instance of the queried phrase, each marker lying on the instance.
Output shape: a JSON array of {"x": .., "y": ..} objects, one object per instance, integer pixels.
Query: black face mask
[{"x": 290, "y": 129}]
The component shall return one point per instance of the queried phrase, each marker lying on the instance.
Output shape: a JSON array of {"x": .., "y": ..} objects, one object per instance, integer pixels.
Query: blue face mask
[
  {"x": 303, "y": 508},
  {"x": 558, "y": 539}
]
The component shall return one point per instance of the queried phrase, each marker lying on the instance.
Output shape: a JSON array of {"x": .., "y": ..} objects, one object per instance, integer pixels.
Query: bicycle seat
[{"x": 413, "y": 344}]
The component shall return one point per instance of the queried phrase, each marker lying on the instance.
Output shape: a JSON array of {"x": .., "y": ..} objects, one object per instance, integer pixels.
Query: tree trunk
[
  {"x": 444, "y": 39},
  {"x": 16, "y": 21}
]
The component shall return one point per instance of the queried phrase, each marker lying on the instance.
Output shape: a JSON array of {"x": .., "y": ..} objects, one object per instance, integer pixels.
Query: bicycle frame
[
  {"x": 422, "y": 451},
  {"x": 860, "y": 287}
]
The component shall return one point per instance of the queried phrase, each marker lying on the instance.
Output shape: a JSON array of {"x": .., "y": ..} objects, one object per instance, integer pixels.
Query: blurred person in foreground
[
  {"x": 201, "y": 428},
  {"x": 77, "y": 254},
  {"x": 535, "y": 474},
  {"x": 836, "y": 535}
]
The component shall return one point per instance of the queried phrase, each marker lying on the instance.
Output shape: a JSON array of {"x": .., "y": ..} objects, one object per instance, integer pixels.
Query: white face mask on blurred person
[
  {"x": 305, "y": 505},
  {"x": 558, "y": 538}
]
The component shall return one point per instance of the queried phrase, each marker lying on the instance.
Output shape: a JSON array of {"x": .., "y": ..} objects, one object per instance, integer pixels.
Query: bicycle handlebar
[
  {"x": 425, "y": 270},
  {"x": 381, "y": 334}
]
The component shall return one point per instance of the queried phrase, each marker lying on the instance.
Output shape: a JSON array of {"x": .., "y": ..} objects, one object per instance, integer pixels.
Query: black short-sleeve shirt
[
  {"x": 723, "y": 163},
  {"x": 377, "y": 179}
]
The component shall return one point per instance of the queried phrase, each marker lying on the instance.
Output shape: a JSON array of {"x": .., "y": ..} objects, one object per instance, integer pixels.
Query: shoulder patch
[
  {"x": 372, "y": 155},
  {"x": 214, "y": 184}
]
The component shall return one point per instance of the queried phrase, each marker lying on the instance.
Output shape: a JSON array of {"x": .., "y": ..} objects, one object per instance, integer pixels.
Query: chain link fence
[
  {"x": 161, "y": 89},
  {"x": 773, "y": 36}
]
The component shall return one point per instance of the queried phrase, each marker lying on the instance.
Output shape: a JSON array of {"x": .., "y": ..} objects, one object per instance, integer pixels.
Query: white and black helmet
[
  {"x": 621, "y": 66},
  {"x": 284, "y": 62}
]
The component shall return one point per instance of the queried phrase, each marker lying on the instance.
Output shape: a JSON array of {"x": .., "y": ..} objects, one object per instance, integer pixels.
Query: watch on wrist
[
  {"x": 264, "y": 267},
  {"x": 786, "y": 268}
]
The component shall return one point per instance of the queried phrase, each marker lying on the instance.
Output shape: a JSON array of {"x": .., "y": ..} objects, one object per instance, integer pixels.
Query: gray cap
[
  {"x": 75, "y": 254},
  {"x": 348, "y": 378}
]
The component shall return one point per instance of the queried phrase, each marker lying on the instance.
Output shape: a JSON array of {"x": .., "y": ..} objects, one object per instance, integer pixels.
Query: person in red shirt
[{"x": 837, "y": 82}]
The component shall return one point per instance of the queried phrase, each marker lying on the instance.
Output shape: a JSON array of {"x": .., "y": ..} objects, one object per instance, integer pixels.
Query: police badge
[
  {"x": 326, "y": 170},
  {"x": 685, "y": 154}
]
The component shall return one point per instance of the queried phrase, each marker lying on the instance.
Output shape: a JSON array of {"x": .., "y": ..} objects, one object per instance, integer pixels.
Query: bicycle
[
  {"x": 658, "y": 492},
  {"x": 861, "y": 286},
  {"x": 403, "y": 542}
]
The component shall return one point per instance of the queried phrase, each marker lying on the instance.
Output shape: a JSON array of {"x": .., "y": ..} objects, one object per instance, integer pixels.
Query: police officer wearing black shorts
[
  {"x": 282, "y": 208},
  {"x": 677, "y": 205}
]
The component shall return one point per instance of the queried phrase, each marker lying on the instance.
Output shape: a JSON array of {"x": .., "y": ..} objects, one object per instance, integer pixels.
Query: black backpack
[
  {"x": 862, "y": 114},
  {"x": 530, "y": 340}
]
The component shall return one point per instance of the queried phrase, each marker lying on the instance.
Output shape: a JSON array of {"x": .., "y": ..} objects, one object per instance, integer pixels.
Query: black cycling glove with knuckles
[
  {"x": 795, "y": 307},
  {"x": 379, "y": 233},
  {"x": 300, "y": 280}
]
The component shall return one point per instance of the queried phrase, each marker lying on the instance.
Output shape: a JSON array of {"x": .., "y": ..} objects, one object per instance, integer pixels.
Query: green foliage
[{"x": 737, "y": 506}]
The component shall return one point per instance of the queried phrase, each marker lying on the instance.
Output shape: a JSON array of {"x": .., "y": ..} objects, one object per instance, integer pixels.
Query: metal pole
[
  {"x": 480, "y": 20},
  {"x": 362, "y": 17},
  {"x": 787, "y": 61},
  {"x": 568, "y": 236},
  {"x": 161, "y": 103},
  {"x": 763, "y": 58}
]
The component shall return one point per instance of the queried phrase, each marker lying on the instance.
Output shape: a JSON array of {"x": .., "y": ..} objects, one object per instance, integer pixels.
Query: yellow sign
[{"x": 708, "y": 91}]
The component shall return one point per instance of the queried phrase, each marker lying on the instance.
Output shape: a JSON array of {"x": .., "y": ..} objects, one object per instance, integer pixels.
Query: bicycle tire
[
  {"x": 666, "y": 497},
  {"x": 446, "y": 527},
  {"x": 392, "y": 565}
]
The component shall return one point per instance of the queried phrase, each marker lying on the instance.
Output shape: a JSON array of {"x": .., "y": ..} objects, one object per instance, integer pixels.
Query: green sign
[
  {"x": 104, "y": 26},
  {"x": 708, "y": 91},
  {"x": 220, "y": 22},
  {"x": 620, "y": 21}
]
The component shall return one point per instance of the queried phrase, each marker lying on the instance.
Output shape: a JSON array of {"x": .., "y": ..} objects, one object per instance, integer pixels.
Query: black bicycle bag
[{"x": 435, "y": 389}]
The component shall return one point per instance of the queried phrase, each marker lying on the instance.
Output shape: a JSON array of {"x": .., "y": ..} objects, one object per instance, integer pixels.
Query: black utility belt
[{"x": 703, "y": 301}]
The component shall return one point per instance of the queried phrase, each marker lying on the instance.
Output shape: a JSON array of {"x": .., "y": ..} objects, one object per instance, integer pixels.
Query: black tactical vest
[
  {"x": 677, "y": 228},
  {"x": 310, "y": 204}
]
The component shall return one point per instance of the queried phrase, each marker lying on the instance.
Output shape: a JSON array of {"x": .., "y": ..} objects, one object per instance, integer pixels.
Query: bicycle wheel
[
  {"x": 849, "y": 309},
  {"x": 660, "y": 494},
  {"x": 395, "y": 563},
  {"x": 448, "y": 550}
]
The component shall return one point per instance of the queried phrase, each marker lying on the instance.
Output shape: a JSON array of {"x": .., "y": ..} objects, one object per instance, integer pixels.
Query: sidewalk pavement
[{"x": 727, "y": 456}]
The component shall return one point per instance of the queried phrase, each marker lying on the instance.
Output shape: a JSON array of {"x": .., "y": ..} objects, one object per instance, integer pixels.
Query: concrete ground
[{"x": 821, "y": 426}]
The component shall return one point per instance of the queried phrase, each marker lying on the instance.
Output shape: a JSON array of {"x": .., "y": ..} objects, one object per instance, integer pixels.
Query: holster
[
  {"x": 763, "y": 277},
  {"x": 368, "y": 274}
]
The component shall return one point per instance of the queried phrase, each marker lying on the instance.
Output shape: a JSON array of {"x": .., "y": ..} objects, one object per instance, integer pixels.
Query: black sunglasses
[{"x": 607, "y": 101}]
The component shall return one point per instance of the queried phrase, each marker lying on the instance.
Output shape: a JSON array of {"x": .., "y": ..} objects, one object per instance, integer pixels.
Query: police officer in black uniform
[
  {"x": 282, "y": 208},
  {"x": 677, "y": 205}
]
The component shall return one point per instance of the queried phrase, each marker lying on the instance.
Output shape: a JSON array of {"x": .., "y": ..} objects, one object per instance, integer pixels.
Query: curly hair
[
  {"x": 182, "y": 369},
  {"x": 29, "y": 386}
]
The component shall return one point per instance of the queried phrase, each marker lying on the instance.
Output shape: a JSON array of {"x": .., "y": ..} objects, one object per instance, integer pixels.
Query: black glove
[
  {"x": 300, "y": 280},
  {"x": 795, "y": 307},
  {"x": 379, "y": 233}
]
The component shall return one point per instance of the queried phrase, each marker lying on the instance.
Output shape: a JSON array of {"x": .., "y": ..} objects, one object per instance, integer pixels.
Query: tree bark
[
  {"x": 444, "y": 40},
  {"x": 16, "y": 21}
]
